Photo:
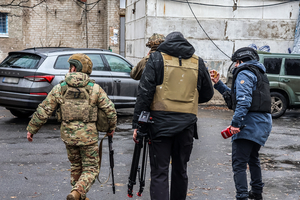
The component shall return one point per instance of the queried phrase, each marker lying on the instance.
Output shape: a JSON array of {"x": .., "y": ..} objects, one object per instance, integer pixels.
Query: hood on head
[
  {"x": 174, "y": 35},
  {"x": 77, "y": 79},
  {"x": 176, "y": 45}
]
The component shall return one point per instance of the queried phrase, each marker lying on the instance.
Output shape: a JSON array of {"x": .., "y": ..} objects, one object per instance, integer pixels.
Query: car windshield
[{"x": 24, "y": 61}]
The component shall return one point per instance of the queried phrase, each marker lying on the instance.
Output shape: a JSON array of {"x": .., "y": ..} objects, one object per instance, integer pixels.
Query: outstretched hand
[{"x": 214, "y": 76}]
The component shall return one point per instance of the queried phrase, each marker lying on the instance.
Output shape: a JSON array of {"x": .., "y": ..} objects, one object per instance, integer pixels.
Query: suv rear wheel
[
  {"x": 21, "y": 114},
  {"x": 278, "y": 104}
]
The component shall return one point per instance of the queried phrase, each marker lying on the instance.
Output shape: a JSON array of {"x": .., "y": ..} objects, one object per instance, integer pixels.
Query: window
[
  {"x": 23, "y": 61},
  {"x": 292, "y": 67},
  {"x": 122, "y": 4},
  {"x": 62, "y": 62},
  {"x": 3, "y": 24},
  {"x": 272, "y": 65},
  {"x": 117, "y": 64},
  {"x": 98, "y": 64}
]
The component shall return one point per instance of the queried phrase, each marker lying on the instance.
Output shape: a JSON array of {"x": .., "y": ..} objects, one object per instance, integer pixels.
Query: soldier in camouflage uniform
[
  {"x": 77, "y": 100},
  {"x": 154, "y": 41}
]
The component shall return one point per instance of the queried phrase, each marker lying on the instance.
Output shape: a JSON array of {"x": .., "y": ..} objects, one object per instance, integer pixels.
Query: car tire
[
  {"x": 21, "y": 114},
  {"x": 278, "y": 104}
]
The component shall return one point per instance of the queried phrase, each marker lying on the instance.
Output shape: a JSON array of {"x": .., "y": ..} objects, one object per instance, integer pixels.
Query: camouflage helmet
[
  {"x": 81, "y": 62},
  {"x": 155, "y": 39}
]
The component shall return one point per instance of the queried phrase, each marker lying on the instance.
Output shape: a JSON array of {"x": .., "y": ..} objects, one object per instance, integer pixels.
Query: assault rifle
[
  {"x": 142, "y": 142},
  {"x": 111, "y": 162}
]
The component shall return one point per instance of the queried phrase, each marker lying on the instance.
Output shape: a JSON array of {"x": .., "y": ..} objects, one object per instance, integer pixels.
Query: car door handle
[
  {"x": 117, "y": 81},
  {"x": 285, "y": 80}
]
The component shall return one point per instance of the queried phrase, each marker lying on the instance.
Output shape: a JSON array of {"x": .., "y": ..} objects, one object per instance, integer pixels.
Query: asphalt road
[{"x": 40, "y": 170}]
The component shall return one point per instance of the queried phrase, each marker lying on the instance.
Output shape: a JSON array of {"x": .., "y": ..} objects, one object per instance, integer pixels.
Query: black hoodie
[
  {"x": 175, "y": 45},
  {"x": 169, "y": 123}
]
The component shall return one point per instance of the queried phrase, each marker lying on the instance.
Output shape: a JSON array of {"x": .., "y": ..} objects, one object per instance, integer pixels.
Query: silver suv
[{"x": 27, "y": 76}]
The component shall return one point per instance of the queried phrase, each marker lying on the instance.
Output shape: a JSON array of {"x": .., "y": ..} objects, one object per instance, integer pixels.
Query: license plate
[{"x": 10, "y": 80}]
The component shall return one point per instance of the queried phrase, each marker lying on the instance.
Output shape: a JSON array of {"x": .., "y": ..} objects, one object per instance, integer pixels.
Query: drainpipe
[{"x": 86, "y": 26}]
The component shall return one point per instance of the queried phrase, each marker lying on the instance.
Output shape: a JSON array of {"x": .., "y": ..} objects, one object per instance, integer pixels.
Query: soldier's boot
[{"x": 74, "y": 195}]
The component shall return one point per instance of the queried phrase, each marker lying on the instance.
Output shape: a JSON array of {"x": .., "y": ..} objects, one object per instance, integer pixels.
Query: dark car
[
  {"x": 27, "y": 76},
  {"x": 283, "y": 71}
]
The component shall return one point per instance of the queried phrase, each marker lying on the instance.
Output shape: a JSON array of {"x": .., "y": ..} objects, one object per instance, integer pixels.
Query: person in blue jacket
[{"x": 251, "y": 123}]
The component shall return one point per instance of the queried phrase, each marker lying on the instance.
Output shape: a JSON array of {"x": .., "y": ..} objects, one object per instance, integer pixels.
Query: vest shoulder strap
[
  {"x": 88, "y": 87},
  {"x": 252, "y": 68},
  {"x": 194, "y": 59},
  {"x": 166, "y": 56},
  {"x": 257, "y": 72},
  {"x": 93, "y": 90},
  {"x": 64, "y": 86}
]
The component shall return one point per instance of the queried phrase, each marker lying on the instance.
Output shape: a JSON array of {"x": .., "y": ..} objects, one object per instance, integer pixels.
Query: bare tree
[{"x": 21, "y": 4}]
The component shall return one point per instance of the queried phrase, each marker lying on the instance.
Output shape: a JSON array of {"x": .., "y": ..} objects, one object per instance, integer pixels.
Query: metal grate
[{"x": 3, "y": 24}]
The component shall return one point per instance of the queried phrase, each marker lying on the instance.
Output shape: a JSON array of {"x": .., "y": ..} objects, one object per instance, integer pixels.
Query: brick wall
[
  {"x": 14, "y": 41},
  {"x": 62, "y": 23}
]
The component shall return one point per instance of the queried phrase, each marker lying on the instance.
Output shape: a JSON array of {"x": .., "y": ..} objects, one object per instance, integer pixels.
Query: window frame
[{"x": 5, "y": 15}]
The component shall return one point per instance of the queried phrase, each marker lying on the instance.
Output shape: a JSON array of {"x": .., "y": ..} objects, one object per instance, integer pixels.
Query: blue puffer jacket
[{"x": 258, "y": 125}]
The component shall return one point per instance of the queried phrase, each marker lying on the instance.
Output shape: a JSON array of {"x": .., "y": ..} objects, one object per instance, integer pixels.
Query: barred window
[{"x": 3, "y": 24}]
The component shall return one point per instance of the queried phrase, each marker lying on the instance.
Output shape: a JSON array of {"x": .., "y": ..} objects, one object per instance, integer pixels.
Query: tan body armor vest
[
  {"x": 178, "y": 92},
  {"x": 79, "y": 103}
]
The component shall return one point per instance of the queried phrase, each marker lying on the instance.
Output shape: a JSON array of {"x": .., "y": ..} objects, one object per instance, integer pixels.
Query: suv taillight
[
  {"x": 40, "y": 93},
  {"x": 45, "y": 78}
]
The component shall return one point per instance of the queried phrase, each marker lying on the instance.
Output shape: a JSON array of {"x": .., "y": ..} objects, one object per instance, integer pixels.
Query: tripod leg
[
  {"x": 134, "y": 167},
  {"x": 144, "y": 166}
]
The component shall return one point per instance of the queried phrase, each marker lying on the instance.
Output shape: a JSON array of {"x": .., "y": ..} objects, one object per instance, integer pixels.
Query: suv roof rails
[
  {"x": 45, "y": 48},
  {"x": 87, "y": 49},
  {"x": 55, "y": 49}
]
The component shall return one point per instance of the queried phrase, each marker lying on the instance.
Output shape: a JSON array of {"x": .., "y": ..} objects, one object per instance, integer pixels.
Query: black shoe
[{"x": 255, "y": 196}]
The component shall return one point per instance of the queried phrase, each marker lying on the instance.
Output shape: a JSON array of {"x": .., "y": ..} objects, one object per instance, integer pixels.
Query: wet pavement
[{"x": 40, "y": 170}]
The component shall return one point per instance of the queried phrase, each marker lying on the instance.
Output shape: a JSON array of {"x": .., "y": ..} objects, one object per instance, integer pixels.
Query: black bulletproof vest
[{"x": 261, "y": 97}]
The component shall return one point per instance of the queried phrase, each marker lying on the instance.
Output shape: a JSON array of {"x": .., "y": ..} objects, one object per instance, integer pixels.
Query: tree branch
[{"x": 21, "y": 4}]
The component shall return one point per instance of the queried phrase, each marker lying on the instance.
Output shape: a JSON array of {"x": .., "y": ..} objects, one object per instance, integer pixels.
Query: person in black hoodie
[{"x": 173, "y": 83}]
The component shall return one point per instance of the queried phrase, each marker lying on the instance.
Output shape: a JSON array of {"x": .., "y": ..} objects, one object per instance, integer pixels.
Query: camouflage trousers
[{"x": 84, "y": 167}]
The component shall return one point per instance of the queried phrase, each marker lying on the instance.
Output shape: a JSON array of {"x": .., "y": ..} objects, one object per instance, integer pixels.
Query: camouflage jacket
[
  {"x": 137, "y": 71},
  {"x": 74, "y": 132}
]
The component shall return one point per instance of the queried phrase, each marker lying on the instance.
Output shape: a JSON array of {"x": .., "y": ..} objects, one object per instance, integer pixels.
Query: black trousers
[
  {"x": 178, "y": 148},
  {"x": 246, "y": 152}
]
